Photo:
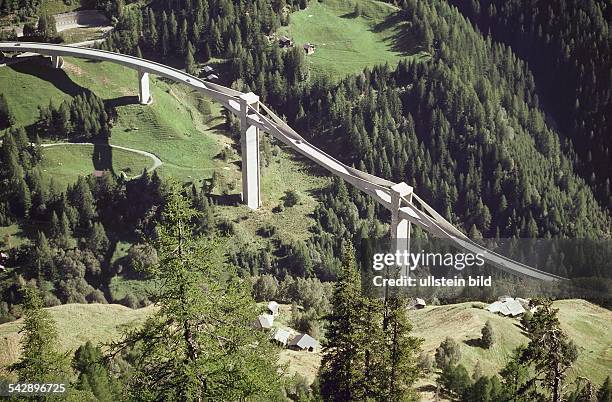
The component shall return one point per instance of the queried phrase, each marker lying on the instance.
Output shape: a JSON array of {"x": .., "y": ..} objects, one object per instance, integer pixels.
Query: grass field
[
  {"x": 65, "y": 170},
  {"x": 346, "y": 43},
  {"x": 588, "y": 325},
  {"x": 77, "y": 323}
]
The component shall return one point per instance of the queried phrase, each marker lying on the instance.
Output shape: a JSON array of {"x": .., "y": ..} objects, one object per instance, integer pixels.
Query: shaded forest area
[{"x": 567, "y": 45}]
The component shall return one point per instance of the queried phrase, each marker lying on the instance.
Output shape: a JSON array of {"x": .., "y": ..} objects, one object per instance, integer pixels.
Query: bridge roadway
[{"x": 405, "y": 206}]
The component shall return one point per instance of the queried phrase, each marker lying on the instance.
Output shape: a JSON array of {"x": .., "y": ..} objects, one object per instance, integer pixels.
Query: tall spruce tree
[
  {"x": 401, "y": 352},
  {"x": 200, "y": 344},
  {"x": 40, "y": 360},
  {"x": 343, "y": 365}
]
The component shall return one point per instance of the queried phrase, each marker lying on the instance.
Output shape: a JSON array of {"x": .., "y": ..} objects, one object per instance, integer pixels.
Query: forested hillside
[{"x": 567, "y": 44}]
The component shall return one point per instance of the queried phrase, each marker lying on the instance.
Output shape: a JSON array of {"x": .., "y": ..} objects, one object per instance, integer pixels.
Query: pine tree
[
  {"x": 93, "y": 375},
  {"x": 488, "y": 336},
  {"x": 190, "y": 65},
  {"x": 401, "y": 350},
  {"x": 6, "y": 117},
  {"x": 40, "y": 360},
  {"x": 98, "y": 241},
  {"x": 199, "y": 345},
  {"x": 549, "y": 351},
  {"x": 343, "y": 364}
]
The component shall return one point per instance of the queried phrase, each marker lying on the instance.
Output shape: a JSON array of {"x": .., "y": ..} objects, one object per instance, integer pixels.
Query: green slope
[
  {"x": 346, "y": 43},
  {"x": 588, "y": 325},
  {"x": 77, "y": 323}
]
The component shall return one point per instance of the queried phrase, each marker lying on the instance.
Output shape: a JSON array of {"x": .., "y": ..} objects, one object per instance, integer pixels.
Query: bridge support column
[
  {"x": 249, "y": 144},
  {"x": 144, "y": 93},
  {"x": 400, "y": 228},
  {"x": 57, "y": 61}
]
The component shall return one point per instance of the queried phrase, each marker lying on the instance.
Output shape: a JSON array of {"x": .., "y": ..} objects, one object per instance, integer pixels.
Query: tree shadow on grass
[
  {"x": 102, "y": 156},
  {"x": 475, "y": 342},
  {"x": 401, "y": 39},
  {"x": 57, "y": 77}
]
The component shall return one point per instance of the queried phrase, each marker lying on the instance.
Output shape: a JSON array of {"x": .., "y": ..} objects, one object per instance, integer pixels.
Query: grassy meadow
[{"x": 346, "y": 42}]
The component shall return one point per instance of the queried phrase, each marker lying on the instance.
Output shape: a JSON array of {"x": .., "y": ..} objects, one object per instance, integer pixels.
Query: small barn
[
  {"x": 274, "y": 308},
  {"x": 281, "y": 336},
  {"x": 285, "y": 41},
  {"x": 416, "y": 304},
  {"x": 508, "y": 307},
  {"x": 309, "y": 48},
  {"x": 264, "y": 321},
  {"x": 304, "y": 342}
]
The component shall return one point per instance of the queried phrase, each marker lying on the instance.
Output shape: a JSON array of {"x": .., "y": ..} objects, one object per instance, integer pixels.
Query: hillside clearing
[{"x": 346, "y": 43}]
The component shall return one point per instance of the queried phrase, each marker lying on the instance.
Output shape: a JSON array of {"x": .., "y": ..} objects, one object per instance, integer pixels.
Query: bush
[
  {"x": 488, "y": 336},
  {"x": 291, "y": 198}
]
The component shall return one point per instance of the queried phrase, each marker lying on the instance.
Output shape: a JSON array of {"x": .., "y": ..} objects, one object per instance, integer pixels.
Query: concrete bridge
[{"x": 405, "y": 206}]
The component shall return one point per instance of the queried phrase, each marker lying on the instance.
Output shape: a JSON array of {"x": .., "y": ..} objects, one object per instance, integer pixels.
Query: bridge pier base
[
  {"x": 57, "y": 62},
  {"x": 144, "y": 93},
  {"x": 400, "y": 228},
  {"x": 249, "y": 144}
]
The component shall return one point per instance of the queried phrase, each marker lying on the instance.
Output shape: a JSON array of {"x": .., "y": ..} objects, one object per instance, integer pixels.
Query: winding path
[
  {"x": 156, "y": 161},
  {"x": 405, "y": 205}
]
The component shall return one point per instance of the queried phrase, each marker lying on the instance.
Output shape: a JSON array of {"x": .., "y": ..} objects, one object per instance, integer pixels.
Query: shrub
[{"x": 291, "y": 198}]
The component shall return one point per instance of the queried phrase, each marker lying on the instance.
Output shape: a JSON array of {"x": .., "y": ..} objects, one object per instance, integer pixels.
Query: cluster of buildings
[
  {"x": 284, "y": 337},
  {"x": 285, "y": 42}
]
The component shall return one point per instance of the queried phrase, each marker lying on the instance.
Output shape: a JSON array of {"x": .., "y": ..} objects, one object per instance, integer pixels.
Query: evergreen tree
[
  {"x": 6, "y": 117},
  {"x": 190, "y": 66},
  {"x": 488, "y": 336},
  {"x": 40, "y": 360},
  {"x": 199, "y": 345},
  {"x": 93, "y": 375},
  {"x": 549, "y": 351},
  {"x": 343, "y": 364},
  {"x": 401, "y": 368},
  {"x": 97, "y": 240},
  {"x": 448, "y": 353}
]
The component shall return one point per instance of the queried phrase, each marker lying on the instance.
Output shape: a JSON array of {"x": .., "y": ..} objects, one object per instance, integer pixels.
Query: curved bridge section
[{"x": 405, "y": 206}]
